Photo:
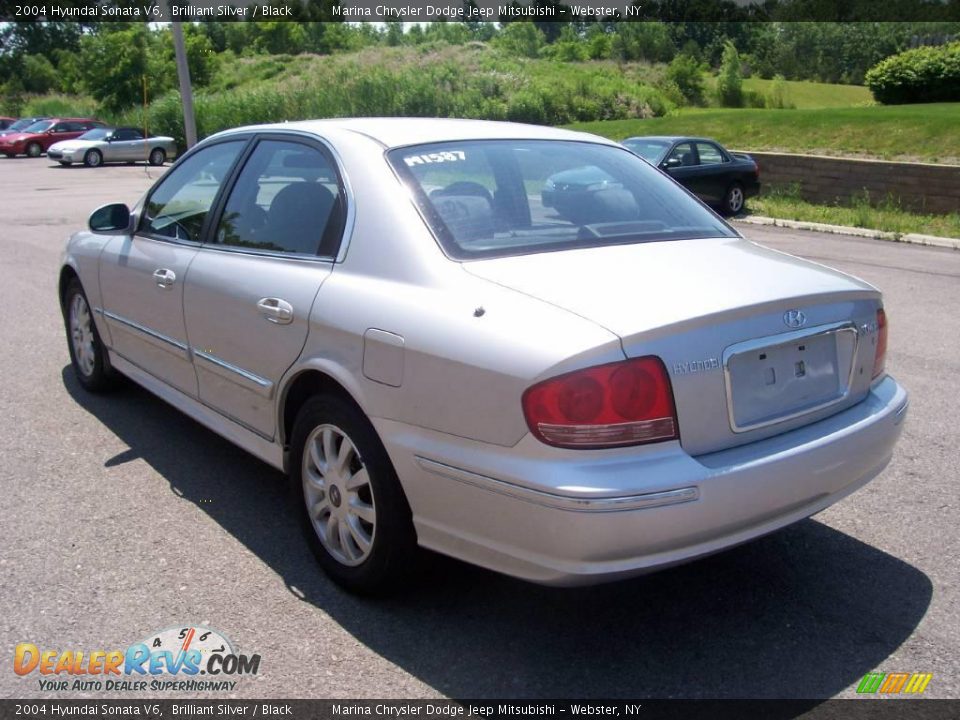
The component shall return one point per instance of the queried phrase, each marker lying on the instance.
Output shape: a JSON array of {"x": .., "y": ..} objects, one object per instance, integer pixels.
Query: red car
[{"x": 33, "y": 141}]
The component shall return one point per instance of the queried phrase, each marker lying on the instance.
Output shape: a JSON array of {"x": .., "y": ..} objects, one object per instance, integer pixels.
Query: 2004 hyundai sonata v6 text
[{"x": 388, "y": 311}]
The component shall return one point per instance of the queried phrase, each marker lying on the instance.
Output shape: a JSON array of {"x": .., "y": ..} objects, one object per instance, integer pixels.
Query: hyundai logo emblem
[{"x": 794, "y": 318}]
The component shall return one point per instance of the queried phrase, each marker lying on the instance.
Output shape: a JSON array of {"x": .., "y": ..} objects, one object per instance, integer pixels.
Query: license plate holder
[{"x": 782, "y": 377}]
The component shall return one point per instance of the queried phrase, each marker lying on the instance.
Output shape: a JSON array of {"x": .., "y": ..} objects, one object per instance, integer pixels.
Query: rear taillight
[
  {"x": 621, "y": 403},
  {"x": 880, "y": 359}
]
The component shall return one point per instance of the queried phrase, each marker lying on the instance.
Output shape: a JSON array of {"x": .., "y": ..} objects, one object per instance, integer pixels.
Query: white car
[{"x": 386, "y": 310}]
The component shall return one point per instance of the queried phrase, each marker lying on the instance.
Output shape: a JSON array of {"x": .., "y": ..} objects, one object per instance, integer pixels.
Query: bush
[
  {"x": 923, "y": 75},
  {"x": 730, "y": 79},
  {"x": 686, "y": 73}
]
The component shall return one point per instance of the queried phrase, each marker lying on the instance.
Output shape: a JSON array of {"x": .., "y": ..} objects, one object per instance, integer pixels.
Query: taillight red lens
[
  {"x": 612, "y": 405},
  {"x": 880, "y": 359}
]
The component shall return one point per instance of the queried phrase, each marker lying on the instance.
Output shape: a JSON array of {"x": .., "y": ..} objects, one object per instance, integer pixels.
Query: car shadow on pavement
[{"x": 803, "y": 613}]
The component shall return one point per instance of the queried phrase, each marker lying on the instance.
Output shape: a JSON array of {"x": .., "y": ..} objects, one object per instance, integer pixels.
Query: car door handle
[
  {"x": 276, "y": 310},
  {"x": 165, "y": 278}
]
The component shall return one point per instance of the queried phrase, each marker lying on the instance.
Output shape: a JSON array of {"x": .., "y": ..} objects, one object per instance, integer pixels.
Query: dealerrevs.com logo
[{"x": 187, "y": 658}]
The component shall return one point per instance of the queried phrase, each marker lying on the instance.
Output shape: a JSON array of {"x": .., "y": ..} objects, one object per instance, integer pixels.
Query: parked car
[
  {"x": 722, "y": 179},
  {"x": 104, "y": 144},
  {"x": 34, "y": 140},
  {"x": 6, "y": 122},
  {"x": 20, "y": 125},
  {"x": 385, "y": 310}
]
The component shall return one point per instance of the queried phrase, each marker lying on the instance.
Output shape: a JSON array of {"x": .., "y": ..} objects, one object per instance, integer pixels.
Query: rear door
[
  {"x": 715, "y": 174},
  {"x": 142, "y": 276},
  {"x": 251, "y": 287}
]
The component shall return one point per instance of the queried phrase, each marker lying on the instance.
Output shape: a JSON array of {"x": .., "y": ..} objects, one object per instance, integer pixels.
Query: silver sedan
[
  {"x": 102, "y": 145},
  {"x": 387, "y": 311}
]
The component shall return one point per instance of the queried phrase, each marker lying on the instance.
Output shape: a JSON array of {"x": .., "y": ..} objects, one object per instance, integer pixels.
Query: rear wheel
[
  {"x": 354, "y": 512},
  {"x": 157, "y": 156},
  {"x": 34, "y": 150},
  {"x": 734, "y": 199},
  {"x": 87, "y": 353},
  {"x": 93, "y": 158}
]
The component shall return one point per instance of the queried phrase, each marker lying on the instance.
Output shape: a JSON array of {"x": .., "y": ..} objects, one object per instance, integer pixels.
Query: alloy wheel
[
  {"x": 338, "y": 495},
  {"x": 81, "y": 334}
]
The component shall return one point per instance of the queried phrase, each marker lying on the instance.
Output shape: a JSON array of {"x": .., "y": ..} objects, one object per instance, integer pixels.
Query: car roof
[
  {"x": 398, "y": 132},
  {"x": 672, "y": 138}
]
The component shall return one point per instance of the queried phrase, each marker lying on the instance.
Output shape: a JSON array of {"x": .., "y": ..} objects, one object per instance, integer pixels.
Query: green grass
[
  {"x": 804, "y": 95},
  {"x": 924, "y": 133},
  {"x": 785, "y": 204}
]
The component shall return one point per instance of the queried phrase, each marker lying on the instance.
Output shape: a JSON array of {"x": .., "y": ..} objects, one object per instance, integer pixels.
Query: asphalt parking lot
[{"x": 121, "y": 517}]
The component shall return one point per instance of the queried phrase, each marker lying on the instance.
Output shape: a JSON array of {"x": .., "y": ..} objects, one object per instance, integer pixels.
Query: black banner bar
[{"x": 873, "y": 708}]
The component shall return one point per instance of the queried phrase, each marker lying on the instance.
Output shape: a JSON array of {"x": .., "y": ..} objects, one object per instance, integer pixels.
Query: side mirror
[
  {"x": 112, "y": 219},
  {"x": 671, "y": 163}
]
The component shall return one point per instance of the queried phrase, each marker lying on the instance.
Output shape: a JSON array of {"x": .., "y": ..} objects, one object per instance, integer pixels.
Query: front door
[
  {"x": 250, "y": 290},
  {"x": 142, "y": 277}
]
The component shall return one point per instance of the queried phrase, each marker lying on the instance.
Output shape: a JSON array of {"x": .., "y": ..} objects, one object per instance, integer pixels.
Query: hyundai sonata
[{"x": 388, "y": 311}]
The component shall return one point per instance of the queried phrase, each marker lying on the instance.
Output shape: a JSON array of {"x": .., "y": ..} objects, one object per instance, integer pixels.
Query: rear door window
[{"x": 286, "y": 199}]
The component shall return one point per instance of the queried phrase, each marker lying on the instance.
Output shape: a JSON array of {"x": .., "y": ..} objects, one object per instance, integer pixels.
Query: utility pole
[{"x": 186, "y": 89}]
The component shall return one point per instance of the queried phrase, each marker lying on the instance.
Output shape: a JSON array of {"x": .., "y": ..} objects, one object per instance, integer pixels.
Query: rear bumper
[{"x": 579, "y": 517}]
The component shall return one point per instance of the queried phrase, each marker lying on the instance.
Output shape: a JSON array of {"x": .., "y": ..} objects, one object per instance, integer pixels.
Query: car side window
[
  {"x": 127, "y": 134},
  {"x": 286, "y": 199},
  {"x": 60, "y": 127},
  {"x": 710, "y": 154},
  {"x": 684, "y": 153},
  {"x": 178, "y": 206}
]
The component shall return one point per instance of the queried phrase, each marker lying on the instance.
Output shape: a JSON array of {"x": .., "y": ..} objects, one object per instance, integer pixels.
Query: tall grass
[{"x": 472, "y": 81}]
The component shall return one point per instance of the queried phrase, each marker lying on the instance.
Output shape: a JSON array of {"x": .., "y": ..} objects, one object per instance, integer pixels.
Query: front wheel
[
  {"x": 157, "y": 156},
  {"x": 734, "y": 199},
  {"x": 354, "y": 512},
  {"x": 93, "y": 159},
  {"x": 87, "y": 353},
  {"x": 34, "y": 150}
]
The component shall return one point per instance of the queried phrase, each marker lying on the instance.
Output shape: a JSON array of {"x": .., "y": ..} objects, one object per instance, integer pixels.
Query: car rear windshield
[
  {"x": 493, "y": 198},
  {"x": 41, "y": 126}
]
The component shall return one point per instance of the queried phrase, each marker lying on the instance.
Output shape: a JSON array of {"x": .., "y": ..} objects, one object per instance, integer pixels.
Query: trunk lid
[{"x": 716, "y": 312}]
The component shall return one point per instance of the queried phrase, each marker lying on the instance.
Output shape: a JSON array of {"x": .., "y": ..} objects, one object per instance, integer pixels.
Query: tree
[
  {"x": 730, "y": 79},
  {"x": 520, "y": 38},
  {"x": 114, "y": 63},
  {"x": 38, "y": 74}
]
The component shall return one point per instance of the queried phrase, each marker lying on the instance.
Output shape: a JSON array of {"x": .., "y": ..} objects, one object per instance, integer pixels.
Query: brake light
[
  {"x": 880, "y": 359},
  {"x": 613, "y": 405}
]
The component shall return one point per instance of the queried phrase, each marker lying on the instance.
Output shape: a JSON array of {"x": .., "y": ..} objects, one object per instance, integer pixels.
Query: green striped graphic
[{"x": 871, "y": 682}]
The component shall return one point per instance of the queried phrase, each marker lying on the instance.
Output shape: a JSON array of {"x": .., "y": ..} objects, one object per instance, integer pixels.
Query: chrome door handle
[
  {"x": 165, "y": 278},
  {"x": 276, "y": 310}
]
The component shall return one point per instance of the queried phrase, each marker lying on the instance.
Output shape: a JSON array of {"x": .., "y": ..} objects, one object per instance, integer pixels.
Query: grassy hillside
[
  {"x": 925, "y": 133},
  {"x": 473, "y": 80}
]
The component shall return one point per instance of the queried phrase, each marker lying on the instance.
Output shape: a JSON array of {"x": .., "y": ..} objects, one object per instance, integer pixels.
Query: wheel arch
[
  {"x": 67, "y": 274},
  {"x": 304, "y": 383}
]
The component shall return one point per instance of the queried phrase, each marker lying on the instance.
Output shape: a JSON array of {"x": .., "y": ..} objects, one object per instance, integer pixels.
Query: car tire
[
  {"x": 157, "y": 157},
  {"x": 93, "y": 158},
  {"x": 65, "y": 163},
  {"x": 34, "y": 150},
  {"x": 734, "y": 199},
  {"x": 353, "y": 501},
  {"x": 88, "y": 356}
]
